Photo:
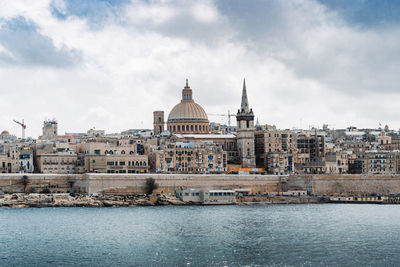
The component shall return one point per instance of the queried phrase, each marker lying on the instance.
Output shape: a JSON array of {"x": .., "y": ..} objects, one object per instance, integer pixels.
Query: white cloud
[
  {"x": 204, "y": 12},
  {"x": 303, "y": 66}
]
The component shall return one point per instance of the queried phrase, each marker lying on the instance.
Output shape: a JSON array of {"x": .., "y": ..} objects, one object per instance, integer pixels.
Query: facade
[
  {"x": 112, "y": 163},
  {"x": 188, "y": 157},
  {"x": 245, "y": 132},
  {"x": 25, "y": 162},
  {"x": 188, "y": 116},
  {"x": 59, "y": 162},
  {"x": 275, "y": 150}
]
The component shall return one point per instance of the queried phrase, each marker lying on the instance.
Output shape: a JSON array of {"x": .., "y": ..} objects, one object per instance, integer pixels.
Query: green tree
[{"x": 151, "y": 185}]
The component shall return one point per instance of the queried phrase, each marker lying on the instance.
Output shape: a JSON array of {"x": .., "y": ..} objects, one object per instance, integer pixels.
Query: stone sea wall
[{"x": 127, "y": 184}]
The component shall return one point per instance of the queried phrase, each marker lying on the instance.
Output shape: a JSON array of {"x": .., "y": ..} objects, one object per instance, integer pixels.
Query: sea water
[{"x": 240, "y": 235}]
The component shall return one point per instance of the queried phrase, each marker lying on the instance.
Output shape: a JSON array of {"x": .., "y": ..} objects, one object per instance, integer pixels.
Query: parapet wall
[
  {"x": 135, "y": 183},
  {"x": 167, "y": 183},
  {"x": 356, "y": 184}
]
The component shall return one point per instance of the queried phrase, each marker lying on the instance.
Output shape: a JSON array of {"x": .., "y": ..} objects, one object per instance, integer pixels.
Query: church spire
[{"x": 245, "y": 103}]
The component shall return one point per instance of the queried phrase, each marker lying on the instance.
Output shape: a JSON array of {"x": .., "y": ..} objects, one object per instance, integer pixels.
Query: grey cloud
[{"x": 28, "y": 46}]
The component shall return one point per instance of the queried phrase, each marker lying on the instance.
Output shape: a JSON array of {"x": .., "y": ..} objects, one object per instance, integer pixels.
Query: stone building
[
  {"x": 275, "y": 150},
  {"x": 227, "y": 142},
  {"x": 50, "y": 130},
  {"x": 188, "y": 116},
  {"x": 62, "y": 161},
  {"x": 245, "y": 132},
  {"x": 114, "y": 163},
  {"x": 188, "y": 157},
  {"x": 337, "y": 162},
  {"x": 158, "y": 122}
]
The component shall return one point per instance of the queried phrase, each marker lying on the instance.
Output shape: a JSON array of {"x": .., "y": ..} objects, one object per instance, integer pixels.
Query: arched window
[
  {"x": 174, "y": 128},
  {"x": 131, "y": 153},
  {"x": 187, "y": 128},
  {"x": 191, "y": 128},
  {"x": 123, "y": 152},
  {"x": 179, "y": 128},
  {"x": 195, "y": 127}
]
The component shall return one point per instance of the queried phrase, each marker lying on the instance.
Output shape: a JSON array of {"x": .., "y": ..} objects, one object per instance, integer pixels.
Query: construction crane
[
  {"x": 229, "y": 115},
  {"x": 23, "y": 125}
]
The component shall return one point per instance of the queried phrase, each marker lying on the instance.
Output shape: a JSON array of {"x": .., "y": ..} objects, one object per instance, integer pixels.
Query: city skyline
[{"x": 109, "y": 64}]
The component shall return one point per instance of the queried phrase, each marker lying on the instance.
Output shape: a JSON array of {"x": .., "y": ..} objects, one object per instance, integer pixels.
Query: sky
[{"x": 110, "y": 64}]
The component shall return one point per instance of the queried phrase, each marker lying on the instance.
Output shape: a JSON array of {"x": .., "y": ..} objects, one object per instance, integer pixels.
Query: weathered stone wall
[
  {"x": 135, "y": 183},
  {"x": 13, "y": 183},
  {"x": 356, "y": 184}
]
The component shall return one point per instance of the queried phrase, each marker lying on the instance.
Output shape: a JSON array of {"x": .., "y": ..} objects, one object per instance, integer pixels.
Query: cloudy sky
[{"x": 109, "y": 64}]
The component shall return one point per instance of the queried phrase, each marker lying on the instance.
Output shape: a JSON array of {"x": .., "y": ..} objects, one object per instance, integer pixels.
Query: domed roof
[
  {"x": 5, "y": 133},
  {"x": 187, "y": 109}
]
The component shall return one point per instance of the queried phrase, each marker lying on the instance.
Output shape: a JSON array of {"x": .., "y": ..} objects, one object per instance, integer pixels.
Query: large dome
[
  {"x": 188, "y": 116},
  {"x": 187, "y": 111},
  {"x": 5, "y": 133}
]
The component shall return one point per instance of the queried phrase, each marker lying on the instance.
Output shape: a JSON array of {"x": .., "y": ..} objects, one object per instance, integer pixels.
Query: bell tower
[
  {"x": 158, "y": 122},
  {"x": 245, "y": 132}
]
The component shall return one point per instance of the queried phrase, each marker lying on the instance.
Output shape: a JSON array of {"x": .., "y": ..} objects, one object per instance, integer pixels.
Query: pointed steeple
[{"x": 245, "y": 103}]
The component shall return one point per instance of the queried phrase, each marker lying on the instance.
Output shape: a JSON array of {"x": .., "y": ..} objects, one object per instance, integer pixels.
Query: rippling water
[{"x": 259, "y": 235}]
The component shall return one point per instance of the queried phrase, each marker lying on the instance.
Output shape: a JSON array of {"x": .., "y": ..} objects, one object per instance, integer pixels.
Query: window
[
  {"x": 123, "y": 152},
  {"x": 121, "y": 163}
]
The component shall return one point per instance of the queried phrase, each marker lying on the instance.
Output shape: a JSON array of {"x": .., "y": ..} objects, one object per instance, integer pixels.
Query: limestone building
[
  {"x": 50, "y": 130},
  {"x": 188, "y": 157},
  {"x": 188, "y": 116},
  {"x": 245, "y": 132},
  {"x": 158, "y": 122}
]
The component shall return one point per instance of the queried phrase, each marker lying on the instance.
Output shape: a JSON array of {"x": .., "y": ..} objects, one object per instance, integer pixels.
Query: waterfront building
[
  {"x": 188, "y": 157},
  {"x": 116, "y": 163},
  {"x": 275, "y": 150},
  {"x": 62, "y": 161}
]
